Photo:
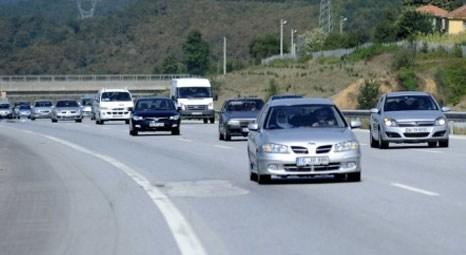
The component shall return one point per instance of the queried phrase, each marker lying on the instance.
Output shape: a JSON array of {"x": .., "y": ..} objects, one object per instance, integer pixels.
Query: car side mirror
[
  {"x": 445, "y": 109},
  {"x": 375, "y": 111},
  {"x": 253, "y": 127},
  {"x": 355, "y": 124}
]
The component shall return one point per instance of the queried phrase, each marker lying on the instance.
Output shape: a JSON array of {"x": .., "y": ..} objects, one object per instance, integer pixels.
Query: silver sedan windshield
[
  {"x": 304, "y": 116},
  {"x": 410, "y": 103}
]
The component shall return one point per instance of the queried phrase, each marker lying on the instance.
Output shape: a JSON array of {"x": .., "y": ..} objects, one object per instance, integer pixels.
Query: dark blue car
[
  {"x": 236, "y": 115},
  {"x": 154, "y": 114}
]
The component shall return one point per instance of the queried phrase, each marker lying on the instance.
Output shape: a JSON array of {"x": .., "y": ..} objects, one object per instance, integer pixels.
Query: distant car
[
  {"x": 24, "y": 111},
  {"x": 67, "y": 110},
  {"x": 303, "y": 137},
  {"x": 154, "y": 114},
  {"x": 236, "y": 115},
  {"x": 5, "y": 111},
  {"x": 86, "y": 104},
  {"x": 112, "y": 105},
  {"x": 16, "y": 108},
  {"x": 408, "y": 117},
  {"x": 42, "y": 109}
]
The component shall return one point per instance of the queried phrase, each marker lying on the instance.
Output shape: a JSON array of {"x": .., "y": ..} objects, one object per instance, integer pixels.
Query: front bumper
[
  {"x": 285, "y": 164},
  {"x": 150, "y": 125},
  {"x": 68, "y": 117},
  {"x": 415, "y": 134},
  {"x": 197, "y": 114},
  {"x": 39, "y": 115},
  {"x": 115, "y": 115},
  {"x": 6, "y": 115}
]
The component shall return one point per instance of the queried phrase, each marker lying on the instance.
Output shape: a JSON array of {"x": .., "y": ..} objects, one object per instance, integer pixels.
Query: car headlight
[
  {"x": 135, "y": 117},
  {"x": 183, "y": 107},
  {"x": 274, "y": 148},
  {"x": 104, "y": 108},
  {"x": 440, "y": 121},
  {"x": 390, "y": 122},
  {"x": 346, "y": 146},
  {"x": 211, "y": 106},
  {"x": 175, "y": 117},
  {"x": 233, "y": 123}
]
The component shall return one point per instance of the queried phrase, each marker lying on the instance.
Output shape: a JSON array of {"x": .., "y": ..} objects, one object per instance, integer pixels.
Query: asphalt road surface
[{"x": 79, "y": 188}]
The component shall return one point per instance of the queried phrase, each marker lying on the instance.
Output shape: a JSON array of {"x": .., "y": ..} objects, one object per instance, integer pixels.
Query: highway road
[{"x": 70, "y": 188}]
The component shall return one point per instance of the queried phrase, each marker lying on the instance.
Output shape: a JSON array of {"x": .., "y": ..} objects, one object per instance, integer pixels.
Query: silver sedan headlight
[
  {"x": 346, "y": 146},
  {"x": 440, "y": 121},
  {"x": 389, "y": 122},
  {"x": 274, "y": 148}
]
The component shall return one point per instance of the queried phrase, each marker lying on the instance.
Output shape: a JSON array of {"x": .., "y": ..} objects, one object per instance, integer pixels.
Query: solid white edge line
[
  {"x": 185, "y": 237},
  {"x": 414, "y": 189}
]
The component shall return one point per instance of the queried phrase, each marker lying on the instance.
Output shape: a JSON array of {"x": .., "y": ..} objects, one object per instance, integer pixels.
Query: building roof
[
  {"x": 459, "y": 13},
  {"x": 432, "y": 10}
]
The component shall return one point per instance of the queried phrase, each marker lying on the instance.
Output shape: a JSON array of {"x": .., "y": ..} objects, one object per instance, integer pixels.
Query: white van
[
  {"x": 112, "y": 104},
  {"x": 195, "y": 98}
]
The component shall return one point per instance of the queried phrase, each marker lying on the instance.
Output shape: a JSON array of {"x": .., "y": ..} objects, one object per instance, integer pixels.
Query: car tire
[
  {"x": 374, "y": 143},
  {"x": 354, "y": 177},
  {"x": 212, "y": 120},
  {"x": 432, "y": 144},
  {"x": 33, "y": 118},
  {"x": 54, "y": 121},
  {"x": 126, "y": 122},
  {"x": 78, "y": 121},
  {"x": 253, "y": 177},
  {"x": 176, "y": 131},
  {"x": 220, "y": 136},
  {"x": 227, "y": 136},
  {"x": 205, "y": 121},
  {"x": 263, "y": 179},
  {"x": 444, "y": 143},
  {"x": 382, "y": 144},
  {"x": 133, "y": 132}
]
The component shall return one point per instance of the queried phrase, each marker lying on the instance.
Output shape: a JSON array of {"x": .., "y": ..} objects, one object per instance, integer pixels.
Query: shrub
[
  {"x": 273, "y": 89},
  {"x": 368, "y": 95},
  {"x": 404, "y": 58},
  {"x": 453, "y": 80},
  {"x": 408, "y": 79}
]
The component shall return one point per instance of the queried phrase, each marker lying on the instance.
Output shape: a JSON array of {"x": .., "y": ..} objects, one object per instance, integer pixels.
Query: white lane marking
[
  {"x": 429, "y": 151},
  {"x": 185, "y": 237},
  {"x": 223, "y": 147},
  {"x": 184, "y": 140},
  {"x": 414, "y": 189}
]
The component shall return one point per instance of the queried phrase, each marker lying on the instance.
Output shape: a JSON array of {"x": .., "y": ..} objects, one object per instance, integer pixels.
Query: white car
[{"x": 113, "y": 105}]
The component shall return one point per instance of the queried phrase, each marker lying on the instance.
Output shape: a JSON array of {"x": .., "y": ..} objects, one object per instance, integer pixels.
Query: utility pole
[
  {"x": 224, "y": 55},
  {"x": 325, "y": 17},
  {"x": 282, "y": 22},
  {"x": 342, "y": 21},
  {"x": 293, "y": 46}
]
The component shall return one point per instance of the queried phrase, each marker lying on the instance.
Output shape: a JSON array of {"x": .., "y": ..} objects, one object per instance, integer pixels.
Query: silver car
[
  {"x": 67, "y": 110},
  {"x": 42, "y": 109},
  {"x": 303, "y": 137},
  {"x": 5, "y": 110},
  {"x": 408, "y": 117}
]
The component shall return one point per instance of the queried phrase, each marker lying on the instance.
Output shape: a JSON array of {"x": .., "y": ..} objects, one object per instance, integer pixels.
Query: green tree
[
  {"x": 264, "y": 46},
  {"x": 368, "y": 95},
  {"x": 196, "y": 54},
  {"x": 412, "y": 23},
  {"x": 170, "y": 65},
  {"x": 314, "y": 40}
]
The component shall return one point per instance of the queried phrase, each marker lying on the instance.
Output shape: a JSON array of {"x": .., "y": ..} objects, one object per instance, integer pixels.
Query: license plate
[
  {"x": 312, "y": 161},
  {"x": 245, "y": 130},
  {"x": 196, "y": 113},
  {"x": 156, "y": 124},
  {"x": 416, "y": 130}
]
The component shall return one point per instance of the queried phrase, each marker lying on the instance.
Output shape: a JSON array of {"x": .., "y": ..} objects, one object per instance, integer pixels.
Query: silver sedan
[
  {"x": 67, "y": 110},
  {"x": 408, "y": 117},
  {"x": 303, "y": 137}
]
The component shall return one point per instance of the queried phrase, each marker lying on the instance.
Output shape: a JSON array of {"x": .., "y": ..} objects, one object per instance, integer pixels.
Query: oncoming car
[
  {"x": 408, "y": 117},
  {"x": 303, "y": 137},
  {"x": 154, "y": 114},
  {"x": 67, "y": 110},
  {"x": 42, "y": 109},
  {"x": 5, "y": 111},
  {"x": 236, "y": 115}
]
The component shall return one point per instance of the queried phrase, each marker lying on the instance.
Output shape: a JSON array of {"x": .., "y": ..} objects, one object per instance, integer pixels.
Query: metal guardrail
[
  {"x": 452, "y": 116},
  {"x": 100, "y": 77}
]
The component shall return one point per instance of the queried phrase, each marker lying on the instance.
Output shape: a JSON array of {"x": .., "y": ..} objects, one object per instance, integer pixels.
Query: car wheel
[
  {"x": 133, "y": 132},
  {"x": 227, "y": 136},
  {"x": 176, "y": 131},
  {"x": 354, "y": 177},
  {"x": 432, "y": 144},
  {"x": 382, "y": 144},
  {"x": 220, "y": 136},
  {"x": 212, "y": 120},
  {"x": 78, "y": 121},
  {"x": 253, "y": 177},
  {"x": 374, "y": 143},
  {"x": 263, "y": 179},
  {"x": 444, "y": 144},
  {"x": 33, "y": 118},
  {"x": 205, "y": 121},
  {"x": 126, "y": 122}
]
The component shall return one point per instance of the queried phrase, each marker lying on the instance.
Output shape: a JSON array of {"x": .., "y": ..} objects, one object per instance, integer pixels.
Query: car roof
[
  {"x": 60, "y": 100},
  {"x": 285, "y": 96},
  {"x": 301, "y": 101},
  {"x": 114, "y": 90},
  {"x": 407, "y": 93},
  {"x": 245, "y": 99},
  {"x": 153, "y": 98}
]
